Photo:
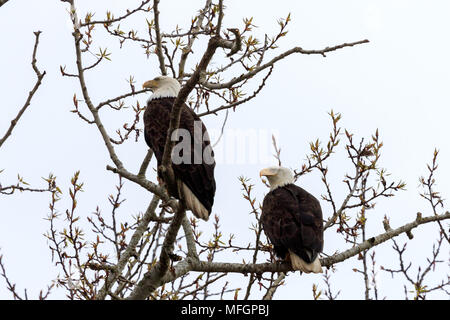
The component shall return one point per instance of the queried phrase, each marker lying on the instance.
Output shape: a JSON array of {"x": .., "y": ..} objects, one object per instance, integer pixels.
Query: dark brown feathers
[
  {"x": 292, "y": 220},
  {"x": 199, "y": 178}
]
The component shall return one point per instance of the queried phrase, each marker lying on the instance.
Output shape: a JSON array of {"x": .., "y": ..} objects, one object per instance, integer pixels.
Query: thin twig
[{"x": 40, "y": 76}]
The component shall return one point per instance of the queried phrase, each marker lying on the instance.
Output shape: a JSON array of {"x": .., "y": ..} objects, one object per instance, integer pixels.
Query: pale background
[{"x": 397, "y": 83}]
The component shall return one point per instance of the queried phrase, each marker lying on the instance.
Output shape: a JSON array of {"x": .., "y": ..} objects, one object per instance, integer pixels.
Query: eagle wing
[{"x": 199, "y": 178}]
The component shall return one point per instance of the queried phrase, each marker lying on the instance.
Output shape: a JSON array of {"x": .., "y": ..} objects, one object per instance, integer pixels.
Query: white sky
[{"x": 397, "y": 83}]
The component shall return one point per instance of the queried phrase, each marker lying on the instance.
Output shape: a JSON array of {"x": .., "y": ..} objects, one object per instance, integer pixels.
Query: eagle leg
[
  {"x": 278, "y": 260},
  {"x": 287, "y": 258}
]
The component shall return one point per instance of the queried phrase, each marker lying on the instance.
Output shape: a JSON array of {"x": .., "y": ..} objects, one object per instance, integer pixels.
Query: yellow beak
[
  {"x": 151, "y": 84},
  {"x": 267, "y": 172}
]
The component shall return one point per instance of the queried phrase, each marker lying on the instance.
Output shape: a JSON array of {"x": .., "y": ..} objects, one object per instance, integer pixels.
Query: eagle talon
[{"x": 287, "y": 258}]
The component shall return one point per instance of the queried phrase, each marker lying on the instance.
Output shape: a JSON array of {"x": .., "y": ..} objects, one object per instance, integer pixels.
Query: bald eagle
[
  {"x": 195, "y": 173},
  {"x": 292, "y": 220}
]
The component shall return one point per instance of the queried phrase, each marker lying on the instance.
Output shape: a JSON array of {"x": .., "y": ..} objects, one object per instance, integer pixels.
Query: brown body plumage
[
  {"x": 292, "y": 220},
  {"x": 195, "y": 180}
]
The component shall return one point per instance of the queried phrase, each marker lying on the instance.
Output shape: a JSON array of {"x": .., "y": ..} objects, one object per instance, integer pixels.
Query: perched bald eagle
[
  {"x": 195, "y": 173},
  {"x": 292, "y": 220}
]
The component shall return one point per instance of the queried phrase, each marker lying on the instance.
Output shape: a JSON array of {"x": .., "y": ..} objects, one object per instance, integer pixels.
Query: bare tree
[
  {"x": 161, "y": 253},
  {"x": 21, "y": 185}
]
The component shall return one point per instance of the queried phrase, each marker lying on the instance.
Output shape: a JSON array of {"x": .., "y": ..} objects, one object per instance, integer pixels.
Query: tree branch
[
  {"x": 235, "y": 104},
  {"x": 112, "y": 20},
  {"x": 126, "y": 95},
  {"x": 145, "y": 163},
  {"x": 192, "y": 35},
  {"x": 131, "y": 248},
  {"x": 159, "y": 51},
  {"x": 146, "y": 184},
  {"x": 40, "y": 76},
  {"x": 374, "y": 241},
  {"x": 276, "y": 59},
  {"x": 326, "y": 262},
  {"x": 153, "y": 278},
  {"x": 151, "y": 282},
  {"x": 77, "y": 38},
  {"x": 165, "y": 169}
]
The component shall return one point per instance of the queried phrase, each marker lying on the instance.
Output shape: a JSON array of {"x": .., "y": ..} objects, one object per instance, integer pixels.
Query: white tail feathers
[
  {"x": 300, "y": 264},
  {"x": 192, "y": 203}
]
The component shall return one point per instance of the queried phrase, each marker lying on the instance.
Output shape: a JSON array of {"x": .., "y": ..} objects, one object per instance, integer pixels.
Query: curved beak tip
[
  {"x": 148, "y": 84},
  {"x": 266, "y": 172}
]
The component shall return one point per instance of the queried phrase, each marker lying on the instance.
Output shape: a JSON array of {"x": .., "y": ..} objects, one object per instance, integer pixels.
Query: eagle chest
[
  {"x": 279, "y": 215},
  {"x": 156, "y": 124}
]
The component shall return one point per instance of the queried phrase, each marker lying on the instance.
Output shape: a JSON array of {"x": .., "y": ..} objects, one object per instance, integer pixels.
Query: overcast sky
[{"x": 397, "y": 83}]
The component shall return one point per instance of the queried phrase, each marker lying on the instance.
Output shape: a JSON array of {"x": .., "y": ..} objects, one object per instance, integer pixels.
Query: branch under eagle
[{"x": 191, "y": 264}]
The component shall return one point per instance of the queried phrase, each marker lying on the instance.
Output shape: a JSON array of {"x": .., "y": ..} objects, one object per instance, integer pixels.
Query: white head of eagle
[
  {"x": 162, "y": 87},
  {"x": 277, "y": 176}
]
